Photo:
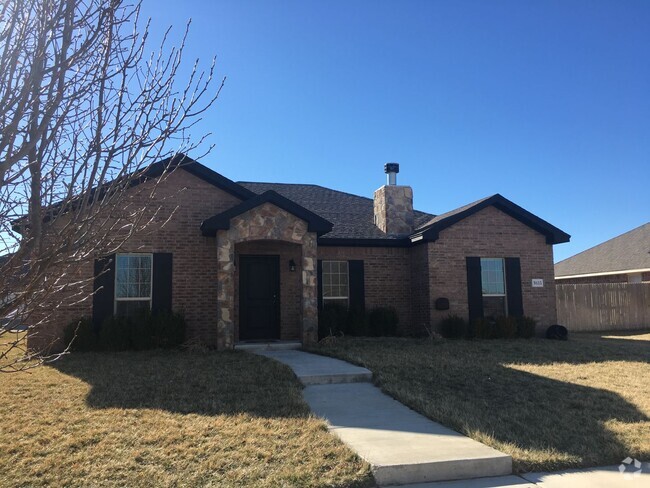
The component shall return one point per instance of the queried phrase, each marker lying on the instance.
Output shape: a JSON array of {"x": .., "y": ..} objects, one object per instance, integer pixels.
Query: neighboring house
[
  {"x": 623, "y": 259},
  {"x": 255, "y": 261}
]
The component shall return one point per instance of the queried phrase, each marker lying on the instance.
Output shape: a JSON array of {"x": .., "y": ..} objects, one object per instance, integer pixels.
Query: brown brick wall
[
  {"x": 410, "y": 279},
  {"x": 189, "y": 200},
  {"x": 387, "y": 276},
  {"x": 491, "y": 233},
  {"x": 290, "y": 285}
]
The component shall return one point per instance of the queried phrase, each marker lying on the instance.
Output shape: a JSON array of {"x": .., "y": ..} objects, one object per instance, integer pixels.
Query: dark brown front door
[{"x": 259, "y": 297}]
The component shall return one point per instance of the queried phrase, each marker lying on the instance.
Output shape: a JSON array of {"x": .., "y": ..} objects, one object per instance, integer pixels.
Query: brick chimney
[{"x": 394, "y": 204}]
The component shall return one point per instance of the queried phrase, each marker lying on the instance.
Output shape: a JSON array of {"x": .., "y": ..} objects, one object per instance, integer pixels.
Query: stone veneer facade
[{"x": 393, "y": 206}]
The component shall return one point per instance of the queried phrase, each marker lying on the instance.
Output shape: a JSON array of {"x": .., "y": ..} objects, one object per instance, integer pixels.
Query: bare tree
[{"x": 85, "y": 110}]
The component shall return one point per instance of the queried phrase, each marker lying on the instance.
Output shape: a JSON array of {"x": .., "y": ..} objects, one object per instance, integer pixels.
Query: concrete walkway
[
  {"x": 312, "y": 369},
  {"x": 401, "y": 445}
]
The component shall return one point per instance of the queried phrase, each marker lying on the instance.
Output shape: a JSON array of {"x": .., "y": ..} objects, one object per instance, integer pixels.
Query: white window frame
[
  {"x": 132, "y": 299},
  {"x": 347, "y": 267},
  {"x": 505, "y": 285}
]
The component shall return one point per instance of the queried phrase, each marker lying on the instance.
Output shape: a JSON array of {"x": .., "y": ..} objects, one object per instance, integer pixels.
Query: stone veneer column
[
  {"x": 264, "y": 223},
  {"x": 226, "y": 291},
  {"x": 309, "y": 290}
]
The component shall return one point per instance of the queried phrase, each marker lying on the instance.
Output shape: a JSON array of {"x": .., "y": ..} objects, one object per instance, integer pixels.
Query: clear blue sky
[{"x": 546, "y": 102}]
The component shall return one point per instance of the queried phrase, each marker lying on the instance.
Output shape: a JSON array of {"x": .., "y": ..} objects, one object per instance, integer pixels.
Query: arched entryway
[{"x": 273, "y": 235}]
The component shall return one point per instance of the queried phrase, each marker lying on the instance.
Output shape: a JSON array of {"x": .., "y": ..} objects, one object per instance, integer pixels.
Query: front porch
[{"x": 266, "y": 271}]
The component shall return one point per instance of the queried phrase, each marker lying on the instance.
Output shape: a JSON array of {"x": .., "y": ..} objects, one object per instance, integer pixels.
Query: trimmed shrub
[
  {"x": 356, "y": 322},
  {"x": 382, "y": 322},
  {"x": 82, "y": 335},
  {"x": 453, "y": 327},
  {"x": 526, "y": 327},
  {"x": 506, "y": 327},
  {"x": 484, "y": 328},
  {"x": 167, "y": 329},
  {"x": 116, "y": 334},
  {"x": 143, "y": 331},
  {"x": 332, "y": 320}
]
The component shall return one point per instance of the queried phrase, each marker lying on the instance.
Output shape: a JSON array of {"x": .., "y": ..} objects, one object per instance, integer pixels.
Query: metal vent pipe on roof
[{"x": 391, "y": 170}]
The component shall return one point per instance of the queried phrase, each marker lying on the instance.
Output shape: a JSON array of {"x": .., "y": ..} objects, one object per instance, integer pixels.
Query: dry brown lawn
[
  {"x": 166, "y": 419},
  {"x": 551, "y": 405}
]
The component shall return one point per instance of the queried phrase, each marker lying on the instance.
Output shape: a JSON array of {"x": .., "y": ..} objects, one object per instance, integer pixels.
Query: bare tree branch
[{"x": 84, "y": 112}]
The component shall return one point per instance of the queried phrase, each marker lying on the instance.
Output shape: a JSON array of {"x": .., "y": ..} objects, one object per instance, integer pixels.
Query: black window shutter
[
  {"x": 319, "y": 281},
  {"x": 474, "y": 288},
  {"x": 513, "y": 284},
  {"x": 161, "y": 300},
  {"x": 357, "y": 285},
  {"x": 103, "y": 289}
]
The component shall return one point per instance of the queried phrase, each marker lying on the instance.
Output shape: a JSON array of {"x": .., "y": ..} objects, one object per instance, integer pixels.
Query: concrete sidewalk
[
  {"x": 401, "y": 445},
  {"x": 603, "y": 477}
]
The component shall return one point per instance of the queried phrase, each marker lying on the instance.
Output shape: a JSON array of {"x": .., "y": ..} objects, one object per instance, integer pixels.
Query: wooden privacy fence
[{"x": 604, "y": 306}]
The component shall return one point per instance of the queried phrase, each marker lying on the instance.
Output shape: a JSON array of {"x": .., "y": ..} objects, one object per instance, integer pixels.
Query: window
[
  {"x": 493, "y": 276},
  {"x": 493, "y": 284},
  {"x": 335, "y": 282},
  {"x": 132, "y": 283}
]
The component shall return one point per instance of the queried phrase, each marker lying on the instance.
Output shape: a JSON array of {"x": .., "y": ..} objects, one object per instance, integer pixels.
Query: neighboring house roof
[
  {"x": 352, "y": 215},
  {"x": 431, "y": 229},
  {"x": 315, "y": 223},
  {"x": 629, "y": 252}
]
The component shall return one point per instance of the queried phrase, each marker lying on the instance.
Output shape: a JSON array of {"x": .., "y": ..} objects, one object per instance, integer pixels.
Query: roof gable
[
  {"x": 315, "y": 223},
  {"x": 431, "y": 230},
  {"x": 155, "y": 170},
  {"x": 181, "y": 161}
]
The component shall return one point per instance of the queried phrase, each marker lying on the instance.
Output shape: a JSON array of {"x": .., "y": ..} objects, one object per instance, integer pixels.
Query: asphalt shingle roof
[
  {"x": 352, "y": 215},
  {"x": 451, "y": 213},
  {"x": 626, "y": 252}
]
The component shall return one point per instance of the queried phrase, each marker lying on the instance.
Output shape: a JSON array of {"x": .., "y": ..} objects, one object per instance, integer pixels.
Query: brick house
[
  {"x": 255, "y": 261},
  {"x": 623, "y": 259}
]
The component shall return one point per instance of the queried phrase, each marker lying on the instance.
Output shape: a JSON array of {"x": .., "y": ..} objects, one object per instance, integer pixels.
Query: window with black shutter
[
  {"x": 126, "y": 283},
  {"x": 494, "y": 287},
  {"x": 341, "y": 282}
]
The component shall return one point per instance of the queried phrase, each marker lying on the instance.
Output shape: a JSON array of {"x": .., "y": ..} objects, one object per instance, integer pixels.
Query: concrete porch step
[
  {"x": 401, "y": 445},
  {"x": 312, "y": 369},
  {"x": 268, "y": 346}
]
